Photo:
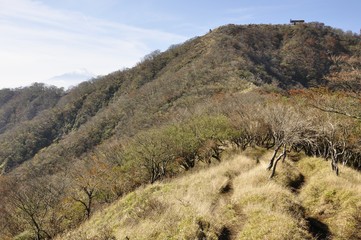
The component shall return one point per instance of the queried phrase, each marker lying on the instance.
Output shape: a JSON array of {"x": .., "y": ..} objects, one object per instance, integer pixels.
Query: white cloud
[{"x": 38, "y": 42}]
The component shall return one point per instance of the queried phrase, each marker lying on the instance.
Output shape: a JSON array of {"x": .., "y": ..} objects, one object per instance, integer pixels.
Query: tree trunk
[
  {"x": 334, "y": 165},
  {"x": 281, "y": 156},
  {"x": 273, "y": 157}
]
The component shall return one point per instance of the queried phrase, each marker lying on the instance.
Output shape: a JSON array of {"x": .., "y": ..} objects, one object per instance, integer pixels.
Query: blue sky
[{"x": 40, "y": 39}]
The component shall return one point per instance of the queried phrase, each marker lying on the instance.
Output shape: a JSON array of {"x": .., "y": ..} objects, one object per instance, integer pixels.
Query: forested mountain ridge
[
  {"x": 24, "y": 104},
  {"x": 225, "y": 60},
  {"x": 270, "y": 86}
]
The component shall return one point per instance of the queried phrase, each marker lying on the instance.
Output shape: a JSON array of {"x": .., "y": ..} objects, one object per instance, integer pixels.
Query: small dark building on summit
[{"x": 295, "y": 22}]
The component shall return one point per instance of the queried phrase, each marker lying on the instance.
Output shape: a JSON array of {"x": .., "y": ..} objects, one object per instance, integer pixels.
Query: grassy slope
[{"x": 236, "y": 200}]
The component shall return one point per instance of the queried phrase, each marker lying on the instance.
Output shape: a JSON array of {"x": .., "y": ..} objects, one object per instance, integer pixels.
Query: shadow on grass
[
  {"x": 318, "y": 229},
  {"x": 225, "y": 234}
]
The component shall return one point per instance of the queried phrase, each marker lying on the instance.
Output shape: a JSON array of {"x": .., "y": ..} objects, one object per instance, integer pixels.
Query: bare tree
[
  {"x": 88, "y": 180},
  {"x": 340, "y": 147},
  {"x": 32, "y": 203},
  {"x": 152, "y": 151},
  {"x": 289, "y": 126}
]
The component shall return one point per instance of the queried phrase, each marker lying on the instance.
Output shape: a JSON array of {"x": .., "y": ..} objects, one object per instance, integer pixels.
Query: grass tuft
[{"x": 334, "y": 201}]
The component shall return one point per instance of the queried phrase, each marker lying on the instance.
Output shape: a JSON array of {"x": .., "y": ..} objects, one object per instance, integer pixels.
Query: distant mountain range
[{"x": 71, "y": 78}]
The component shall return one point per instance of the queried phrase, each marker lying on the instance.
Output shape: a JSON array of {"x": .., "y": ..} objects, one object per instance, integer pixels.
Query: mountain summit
[{"x": 72, "y": 78}]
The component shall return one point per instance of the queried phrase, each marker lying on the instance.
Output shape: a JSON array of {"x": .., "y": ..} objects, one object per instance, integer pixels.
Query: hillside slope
[
  {"x": 227, "y": 60},
  {"x": 236, "y": 200},
  {"x": 23, "y": 104},
  {"x": 278, "y": 87}
]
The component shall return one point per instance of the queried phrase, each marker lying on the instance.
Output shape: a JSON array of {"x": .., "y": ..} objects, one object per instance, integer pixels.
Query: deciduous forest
[{"x": 247, "y": 132}]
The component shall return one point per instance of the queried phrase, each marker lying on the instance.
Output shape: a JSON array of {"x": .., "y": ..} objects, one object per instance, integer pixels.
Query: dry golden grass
[
  {"x": 235, "y": 200},
  {"x": 272, "y": 210},
  {"x": 336, "y": 201}
]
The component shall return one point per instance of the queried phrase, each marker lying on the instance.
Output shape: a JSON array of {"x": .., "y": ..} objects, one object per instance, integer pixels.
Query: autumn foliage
[{"x": 286, "y": 89}]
